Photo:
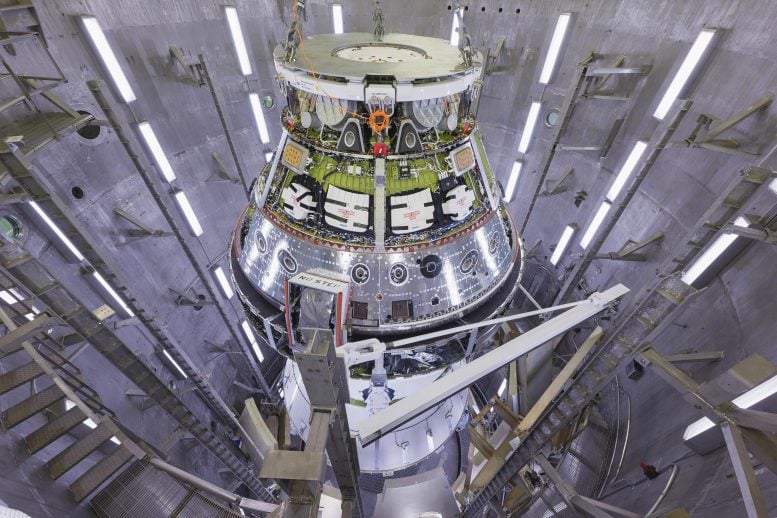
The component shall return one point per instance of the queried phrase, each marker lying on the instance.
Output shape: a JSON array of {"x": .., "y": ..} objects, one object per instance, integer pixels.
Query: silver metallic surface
[
  {"x": 471, "y": 267},
  {"x": 441, "y": 58}
]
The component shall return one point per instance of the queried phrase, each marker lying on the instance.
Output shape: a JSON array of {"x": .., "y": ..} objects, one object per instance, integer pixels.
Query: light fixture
[
  {"x": 268, "y": 156},
  {"x": 8, "y": 298},
  {"x": 555, "y": 511},
  {"x": 107, "y": 287},
  {"x": 757, "y": 394},
  {"x": 54, "y": 228},
  {"x": 555, "y": 48},
  {"x": 502, "y": 388},
  {"x": 429, "y": 440},
  {"x": 175, "y": 363},
  {"x": 773, "y": 186},
  {"x": 226, "y": 287},
  {"x": 752, "y": 397},
  {"x": 711, "y": 253},
  {"x": 528, "y": 128},
  {"x": 691, "y": 61},
  {"x": 188, "y": 212},
  {"x": 147, "y": 132},
  {"x": 256, "y": 107},
  {"x": 563, "y": 242},
  {"x": 252, "y": 339},
  {"x": 237, "y": 39},
  {"x": 337, "y": 18},
  {"x": 35, "y": 312},
  {"x": 626, "y": 169},
  {"x": 513, "y": 180},
  {"x": 108, "y": 58},
  {"x": 455, "y": 27},
  {"x": 590, "y": 232},
  {"x": 88, "y": 422}
]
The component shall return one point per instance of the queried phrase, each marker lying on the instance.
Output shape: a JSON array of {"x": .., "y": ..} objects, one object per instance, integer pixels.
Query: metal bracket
[
  {"x": 704, "y": 136},
  {"x": 556, "y": 187},
  {"x": 14, "y": 195},
  {"x": 193, "y": 72},
  {"x": 629, "y": 249},
  {"x": 695, "y": 357},
  {"x": 142, "y": 229},
  {"x": 185, "y": 300},
  {"x": 222, "y": 175},
  {"x": 758, "y": 234}
]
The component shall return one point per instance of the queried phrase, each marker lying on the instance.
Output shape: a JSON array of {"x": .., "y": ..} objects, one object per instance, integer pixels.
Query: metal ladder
[
  {"x": 628, "y": 338},
  {"x": 651, "y": 316},
  {"x": 22, "y": 269},
  {"x": 49, "y": 402}
]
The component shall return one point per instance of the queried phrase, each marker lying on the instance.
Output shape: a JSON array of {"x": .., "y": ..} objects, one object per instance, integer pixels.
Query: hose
[{"x": 667, "y": 487}]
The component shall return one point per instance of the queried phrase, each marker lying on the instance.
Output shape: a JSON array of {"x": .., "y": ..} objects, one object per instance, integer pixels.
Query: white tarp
[
  {"x": 298, "y": 201},
  {"x": 347, "y": 210},
  {"x": 458, "y": 202},
  {"x": 412, "y": 212}
]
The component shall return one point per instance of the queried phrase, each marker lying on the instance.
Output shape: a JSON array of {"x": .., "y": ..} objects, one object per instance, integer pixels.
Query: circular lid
[
  {"x": 357, "y": 55},
  {"x": 380, "y": 52}
]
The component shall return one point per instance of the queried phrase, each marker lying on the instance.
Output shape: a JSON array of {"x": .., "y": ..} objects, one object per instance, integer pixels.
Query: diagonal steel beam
[
  {"x": 405, "y": 409},
  {"x": 743, "y": 469},
  {"x": 20, "y": 334}
]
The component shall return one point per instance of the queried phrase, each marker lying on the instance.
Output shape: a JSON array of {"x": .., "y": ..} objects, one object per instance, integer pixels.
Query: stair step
[
  {"x": 54, "y": 429},
  {"x": 31, "y": 406},
  {"x": 77, "y": 451},
  {"x": 99, "y": 473},
  {"x": 25, "y": 373},
  {"x": 19, "y": 376},
  {"x": 8, "y": 351}
]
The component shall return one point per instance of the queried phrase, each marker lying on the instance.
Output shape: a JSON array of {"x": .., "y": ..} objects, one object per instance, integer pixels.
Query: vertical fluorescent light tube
[
  {"x": 590, "y": 232},
  {"x": 147, "y": 132},
  {"x": 528, "y": 128},
  {"x": 502, "y": 387},
  {"x": 563, "y": 242},
  {"x": 252, "y": 339},
  {"x": 513, "y": 180},
  {"x": 711, "y": 253},
  {"x": 188, "y": 212},
  {"x": 226, "y": 287},
  {"x": 256, "y": 107},
  {"x": 175, "y": 363},
  {"x": 108, "y": 58},
  {"x": 455, "y": 28},
  {"x": 555, "y": 47},
  {"x": 429, "y": 440},
  {"x": 684, "y": 73},
  {"x": 337, "y": 18},
  {"x": 237, "y": 39},
  {"x": 626, "y": 169},
  {"x": 107, "y": 287},
  {"x": 54, "y": 228}
]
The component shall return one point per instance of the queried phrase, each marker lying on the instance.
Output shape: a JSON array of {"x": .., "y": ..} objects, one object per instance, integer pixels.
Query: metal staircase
[
  {"x": 49, "y": 402},
  {"x": 651, "y": 315},
  {"x": 18, "y": 268}
]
